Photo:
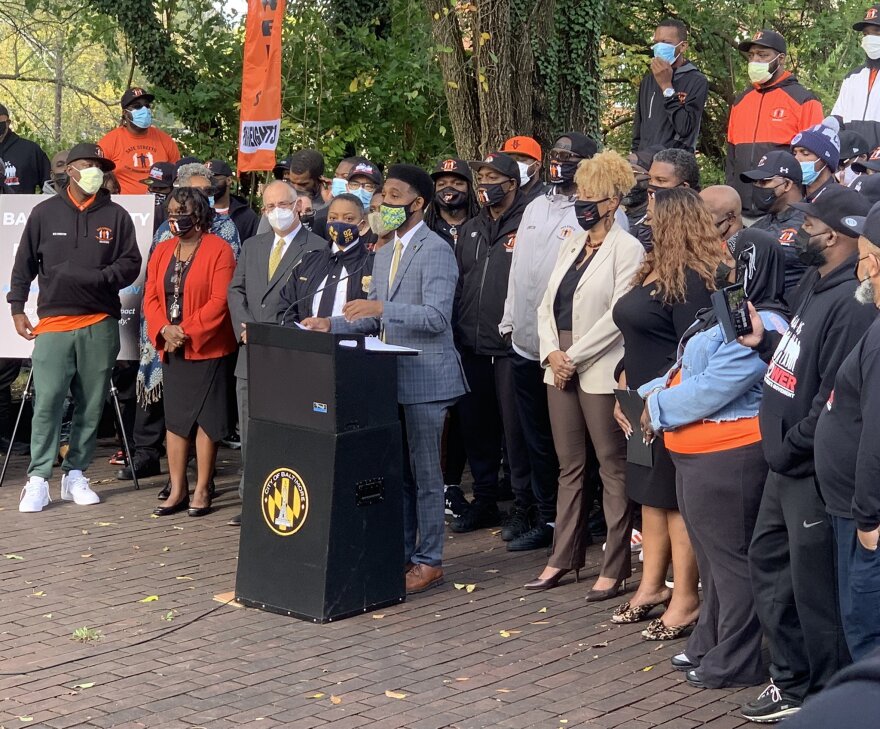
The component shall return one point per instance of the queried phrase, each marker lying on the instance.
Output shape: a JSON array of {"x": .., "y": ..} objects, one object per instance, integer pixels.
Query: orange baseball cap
[{"x": 523, "y": 145}]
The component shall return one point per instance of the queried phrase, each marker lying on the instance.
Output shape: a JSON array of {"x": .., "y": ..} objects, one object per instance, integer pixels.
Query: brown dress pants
[{"x": 581, "y": 421}]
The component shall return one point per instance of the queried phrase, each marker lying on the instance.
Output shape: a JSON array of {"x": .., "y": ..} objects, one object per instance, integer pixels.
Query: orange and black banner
[{"x": 261, "y": 86}]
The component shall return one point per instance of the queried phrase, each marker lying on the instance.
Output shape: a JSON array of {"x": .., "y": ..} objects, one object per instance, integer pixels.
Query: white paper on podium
[{"x": 374, "y": 344}]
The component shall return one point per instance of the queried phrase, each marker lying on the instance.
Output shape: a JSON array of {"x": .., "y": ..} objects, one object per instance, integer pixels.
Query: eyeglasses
[
  {"x": 368, "y": 186},
  {"x": 564, "y": 155},
  {"x": 138, "y": 105},
  {"x": 284, "y": 206}
]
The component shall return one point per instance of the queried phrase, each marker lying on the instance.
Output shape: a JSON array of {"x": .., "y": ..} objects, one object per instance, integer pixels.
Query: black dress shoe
[
  {"x": 143, "y": 469},
  {"x": 693, "y": 678},
  {"x": 165, "y": 492},
  {"x": 201, "y": 511},
  {"x": 536, "y": 538},
  {"x": 480, "y": 515},
  {"x": 181, "y": 505},
  {"x": 682, "y": 663},
  {"x": 235, "y": 521}
]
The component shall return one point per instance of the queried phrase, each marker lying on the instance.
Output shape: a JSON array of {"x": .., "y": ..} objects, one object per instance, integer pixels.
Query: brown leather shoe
[{"x": 422, "y": 577}]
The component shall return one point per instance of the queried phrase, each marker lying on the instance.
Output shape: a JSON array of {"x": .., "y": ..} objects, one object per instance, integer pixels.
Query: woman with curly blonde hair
[
  {"x": 674, "y": 283},
  {"x": 580, "y": 347}
]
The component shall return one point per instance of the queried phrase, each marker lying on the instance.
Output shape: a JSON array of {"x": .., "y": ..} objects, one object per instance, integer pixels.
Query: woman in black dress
[
  {"x": 674, "y": 284},
  {"x": 188, "y": 321}
]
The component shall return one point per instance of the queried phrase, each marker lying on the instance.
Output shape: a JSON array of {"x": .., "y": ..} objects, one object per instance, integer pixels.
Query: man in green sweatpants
[{"x": 81, "y": 247}]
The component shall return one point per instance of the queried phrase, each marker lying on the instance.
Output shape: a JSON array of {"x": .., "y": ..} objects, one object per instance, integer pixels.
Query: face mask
[
  {"x": 810, "y": 253},
  {"x": 307, "y": 219},
  {"x": 220, "y": 190},
  {"x": 721, "y": 275},
  {"x": 847, "y": 176},
  {"x": 562, "y": 173},
  {"x": 59, "y": 181},
  {"x": 665, "y": 51},
  {"x": 181, "y": 226},
  {"x": 450, "y": 198},
  {"x": 376, "y": 224},
  {"x": 524, "y": 176},
  {"x": 337, "y": 187},
  {"x": 281, "y": 219},
  {"x": 760, "y": 71},
  {"x": 871, "y": 46},
  {"x": 491, "y": 195},
  {"x": 142, "y": 118},
  {"x": 645, "y": 236},
  {"x": 587, "y": 213},
  {"x": 4, "y": 127},
  {"x": 363, "y": 196},
  {"x": 211, "y": 201},
  {"x": 636, "y": 197},
  {"x": 763, "y": 198},
  {"x": 809, "y": 171},
  {"x": 90, "y": 180},
  {"x": 159, "y": 197},
  {"x": 342, "y": 234},
  {"x": 393, "y": 216}
]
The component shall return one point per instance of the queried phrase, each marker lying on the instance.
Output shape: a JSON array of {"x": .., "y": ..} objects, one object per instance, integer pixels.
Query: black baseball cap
[
  {"x": 852, "y": 144},
  {"x": 581, "y": 144},
  {"x": 868, "y": 186},
  {"x": 775, "y": 164},
  {"x": 501, "y": 163},
  {"x": 834, "y": 203},
  {"x": 872, "y": 17},
  {"x": 452, "y": 166},
  {"x": 365, "y": 168},
  {"x": 133, "y": 94},
  {"x": 281, "y": 167},
  {"x": 872, "y": 163},
  {"x": 867, "y": 225},
  {"x": 89, "y": 151},
  {"x": 766, "y": 38},
  {"x": 219, "y": 167},
  {"x": 161, "y": 173}
]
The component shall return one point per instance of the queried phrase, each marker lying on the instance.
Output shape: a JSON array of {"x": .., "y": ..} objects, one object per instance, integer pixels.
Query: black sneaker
[
  {"x": 478, "y": 515},
  {"x": 536, "y": 538},
  {"x": 143, "y": 469},
  {"x": 456, "y": 503},
  {"x": 771, "y": 706},
  {"x": 516, "y": 524}
]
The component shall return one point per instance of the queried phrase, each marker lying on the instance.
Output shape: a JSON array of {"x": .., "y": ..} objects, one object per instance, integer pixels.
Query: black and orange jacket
[{"x": 762, "y": 119}]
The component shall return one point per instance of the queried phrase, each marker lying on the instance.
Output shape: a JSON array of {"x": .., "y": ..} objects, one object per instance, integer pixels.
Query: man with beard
[{"x": 454, "y": 201}]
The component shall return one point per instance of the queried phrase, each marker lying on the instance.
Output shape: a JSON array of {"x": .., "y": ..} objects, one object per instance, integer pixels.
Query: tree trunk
[
  {"x": 495, "y": 73},
  {"x": 59, "y": 85}
]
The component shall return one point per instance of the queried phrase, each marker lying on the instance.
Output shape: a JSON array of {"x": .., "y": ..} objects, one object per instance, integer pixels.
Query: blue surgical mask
[
  {"x": 809, "y": 171},
  {"x": 142, "y": 117},
  {"x": 337, "y": 187},
  {"x": 363, "y": 196},
  {"x": 666, "y": 51},
  {"x": 211, "y": 200}
]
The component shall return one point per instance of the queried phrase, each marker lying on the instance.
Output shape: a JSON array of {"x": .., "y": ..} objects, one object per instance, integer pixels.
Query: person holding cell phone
[{"x": 707, "y": 408}]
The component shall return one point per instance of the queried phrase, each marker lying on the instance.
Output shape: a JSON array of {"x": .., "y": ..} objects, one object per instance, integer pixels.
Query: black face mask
[
  {"x": 763, "y": 198},
  {"x": 645, "y": 236},
  {"x": 721, "y": 274},
  {"x": 4, "y": 127},
  {"x": 450, "y": 198},
  {"x": 220, "y": 190},
  {"x": 60, "y": 181},
  {"x": 307, "y": 219},
  {"x": 159, "y": 197},
  {"x": 182, "y": 226},
  {"x": 562, "y": 173},
  {"x": 491, "y": 195},
  {"x": 587, "y": 213},
  {"x": 636, "y": 197},
  {"x": 810, "y": 253}
]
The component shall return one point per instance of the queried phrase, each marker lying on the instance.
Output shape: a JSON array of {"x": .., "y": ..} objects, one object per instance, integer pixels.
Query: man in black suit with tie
[{"x": 262, "y": 271}]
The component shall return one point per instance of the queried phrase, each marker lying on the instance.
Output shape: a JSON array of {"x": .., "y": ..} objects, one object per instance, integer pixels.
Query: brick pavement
[{"x": 564, "y": 665}]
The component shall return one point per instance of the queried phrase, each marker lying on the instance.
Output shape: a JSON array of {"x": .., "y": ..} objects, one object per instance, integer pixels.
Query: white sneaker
[
  {"x": 34, "y": 495},
  {"x": 76, "y": 489}
]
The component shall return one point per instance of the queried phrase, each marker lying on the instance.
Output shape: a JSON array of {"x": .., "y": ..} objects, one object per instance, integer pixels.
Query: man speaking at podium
[{"x": 410, "y": 304}]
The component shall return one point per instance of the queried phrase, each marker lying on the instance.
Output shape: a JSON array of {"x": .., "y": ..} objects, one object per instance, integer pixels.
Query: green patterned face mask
[{"x": 393, "y": 216}]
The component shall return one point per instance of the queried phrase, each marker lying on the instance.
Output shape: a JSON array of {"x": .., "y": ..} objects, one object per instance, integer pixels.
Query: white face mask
[
  {"x": 871, "y": 46},
  {"x": 90, "y": 180},
  {"x": 847, "y": 176},
  {"x": 524, "y": 176},
  {"x": 281, "y": 219}
]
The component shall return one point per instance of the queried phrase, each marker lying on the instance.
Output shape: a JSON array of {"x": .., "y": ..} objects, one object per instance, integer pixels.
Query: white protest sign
[{"x": 14, "y": 212}]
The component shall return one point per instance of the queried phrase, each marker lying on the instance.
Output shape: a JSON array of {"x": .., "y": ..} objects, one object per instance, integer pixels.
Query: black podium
[{"x": 322, "y": 515}]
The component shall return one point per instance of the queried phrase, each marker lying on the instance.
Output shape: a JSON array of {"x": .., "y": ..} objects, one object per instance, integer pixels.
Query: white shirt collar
[
  {"x": 408, "y": 236},
  {"x": 336, "y": 249},
  {"x": 288, "y": 239}
]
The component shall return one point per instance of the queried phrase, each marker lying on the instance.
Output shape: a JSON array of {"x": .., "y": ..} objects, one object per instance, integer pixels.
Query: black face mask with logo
[{"x": 810, "y": 253}]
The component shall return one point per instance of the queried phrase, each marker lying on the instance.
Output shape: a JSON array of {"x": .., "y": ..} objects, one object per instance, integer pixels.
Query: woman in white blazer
[{"x": 580, "y": 348}]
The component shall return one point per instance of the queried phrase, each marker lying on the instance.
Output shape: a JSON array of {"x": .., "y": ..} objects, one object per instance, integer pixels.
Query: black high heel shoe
[
  {"x": 599, "y": 595},
  {"x": 181, "y": 505},
  {"x": 551, "y": 582}
]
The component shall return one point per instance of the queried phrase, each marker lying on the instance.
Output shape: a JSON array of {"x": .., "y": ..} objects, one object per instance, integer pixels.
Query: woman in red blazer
[{"x": 188, "y": 321}]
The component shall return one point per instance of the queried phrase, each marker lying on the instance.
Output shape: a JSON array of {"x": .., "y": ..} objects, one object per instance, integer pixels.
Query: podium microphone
[{"x": 314, "y": 293}]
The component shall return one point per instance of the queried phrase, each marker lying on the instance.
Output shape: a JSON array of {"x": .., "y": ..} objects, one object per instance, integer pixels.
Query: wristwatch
[{"x": 668, "y": 93}]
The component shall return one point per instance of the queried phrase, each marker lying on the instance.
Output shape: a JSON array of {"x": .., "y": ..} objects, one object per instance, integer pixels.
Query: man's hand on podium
[
  {"x": 362, "y": 309},
  {"x": 317, "y": 323}
]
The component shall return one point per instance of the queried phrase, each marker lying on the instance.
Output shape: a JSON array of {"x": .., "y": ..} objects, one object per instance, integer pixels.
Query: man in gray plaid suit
[{"x": 410, "y": 304}]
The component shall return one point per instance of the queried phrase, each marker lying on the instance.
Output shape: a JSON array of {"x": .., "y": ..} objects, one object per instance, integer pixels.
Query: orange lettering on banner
[{"x": 261, "y": 86}]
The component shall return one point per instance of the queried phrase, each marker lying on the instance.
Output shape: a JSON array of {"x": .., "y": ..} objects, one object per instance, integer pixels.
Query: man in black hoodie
[
  {"x": 792, "y": 551},
  {"x": 488, "y": 412},
  {"x": 671, "y": 95},
  {"x": 81, "y": 247},
  {"x": 26, "y": 164}
]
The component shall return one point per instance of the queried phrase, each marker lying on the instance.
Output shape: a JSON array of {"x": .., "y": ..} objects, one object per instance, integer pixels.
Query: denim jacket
[{"x": 719, "y": 382}]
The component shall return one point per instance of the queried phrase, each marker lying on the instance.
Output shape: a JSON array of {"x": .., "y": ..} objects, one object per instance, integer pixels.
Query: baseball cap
[
  {"x": 523, "y": 145},
  {"x": 872, "y": 163},
  {"x": 134, "y": 93},
  {"x": 872, "y": 17},
  {"x": 365, "y": 168},
  {"x": 89, "y": 151},
  {"x": 834, "y": 203},
  {"x": 281, "y": 167},
  {"x": 452, "y": 166},
  {"x": 868, "y": 186},
  {"x": 852, "y": 144},
  {"x": 867, "y": 225},
  {"x": 186, "y": 161},
  {"x": 766, "y": 38},
  {"x": 581, "y": 144},
  {"x": 161, "y": 173},
  {"x": 499, "y": 162},
  {"x": 219, "y": 167},
  {"x": 775, "y": 164}
]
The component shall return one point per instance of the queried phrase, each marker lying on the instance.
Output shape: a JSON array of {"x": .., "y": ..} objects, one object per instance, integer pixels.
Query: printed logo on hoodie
[{"x": 780, "y": 376}]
